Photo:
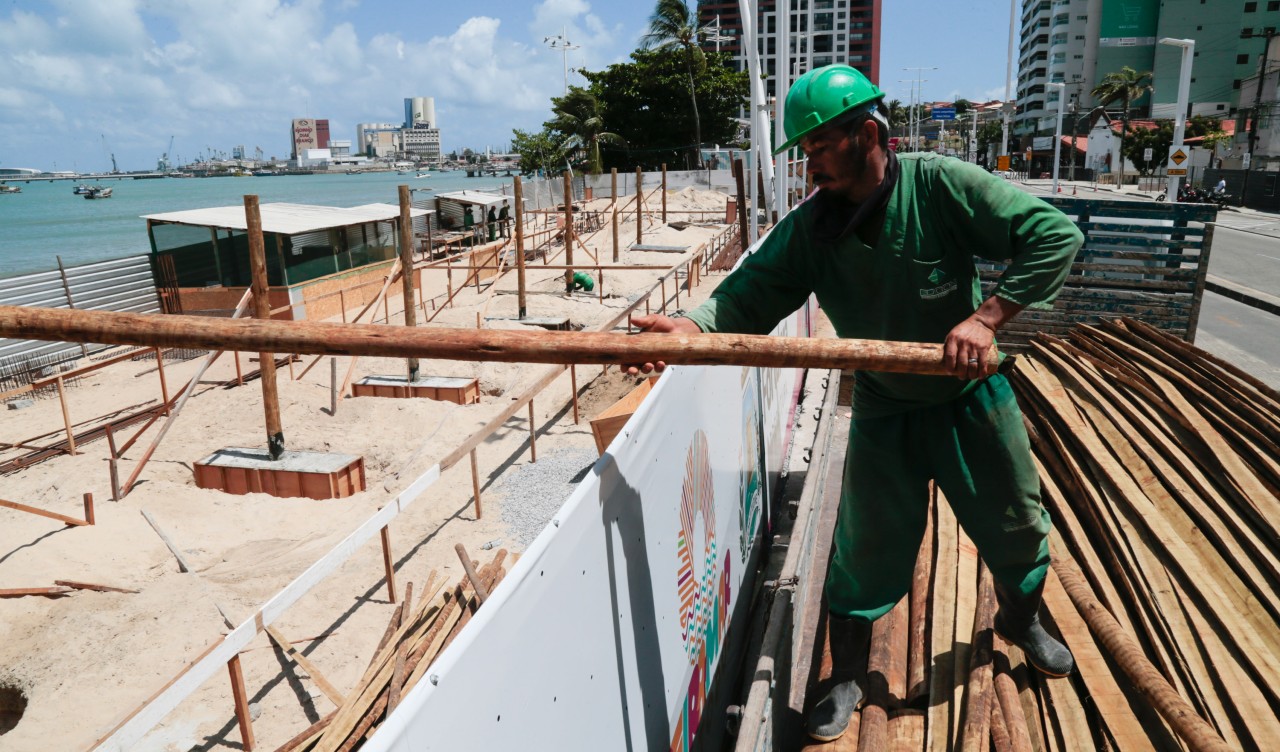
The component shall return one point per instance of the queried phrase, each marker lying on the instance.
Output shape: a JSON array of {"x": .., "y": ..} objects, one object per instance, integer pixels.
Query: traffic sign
[
  {"x": 943, "y": 113},
  {"x": 1146, "y": 154},
  {"x": 1177, "y": 157}
]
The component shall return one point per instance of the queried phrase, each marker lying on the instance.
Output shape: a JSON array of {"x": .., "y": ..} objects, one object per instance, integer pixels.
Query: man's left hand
[{"x": 966, "y": 348}]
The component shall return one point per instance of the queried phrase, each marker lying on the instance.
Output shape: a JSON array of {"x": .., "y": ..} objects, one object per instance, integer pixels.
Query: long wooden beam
[{"x": 507, "y": 346}]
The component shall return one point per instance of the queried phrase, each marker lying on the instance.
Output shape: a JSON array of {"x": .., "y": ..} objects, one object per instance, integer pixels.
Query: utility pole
[
  {"x": 919, "y": 94},
  {"x": 1184, "y": 90}
]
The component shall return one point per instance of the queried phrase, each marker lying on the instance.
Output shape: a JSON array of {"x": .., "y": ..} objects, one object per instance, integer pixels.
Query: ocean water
[{"x": 47, "y": 220}]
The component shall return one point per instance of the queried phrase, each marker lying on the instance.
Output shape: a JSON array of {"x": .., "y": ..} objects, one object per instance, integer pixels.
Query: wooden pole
[
  {"x": 262, "y": 311},
  {"x": 520, "y": 281},
  {"x": 113, "y": 464},
  {"x": 664, "y": 193},
  {"x": 66, "y": 417},
  {"x": 573, "y": 384},
  {"x": 738, "y": 175},
  {"x": 387, "y": 563},
  {"x": 475, "y": 482},
  {"x": 477, "y": 584},
  {"x": 568, "y": 232},
  {"x": 164, "y": 388},
  {"x": 333, "y": 386},
  {"x": 533, "y": 435},
  {"x": 639, "y": 206},
  {"x": 88, "y": 508},
  {"x": 242, "y": 702},
  {"x": 239, "y": 373},
  {"x": 406, "y": 263},
  {"x": 342, "y": 301},
  {"x": 485, "y": 345},
  {"x": 613, "y": 215},
  {"x": 64, "y": 519}
]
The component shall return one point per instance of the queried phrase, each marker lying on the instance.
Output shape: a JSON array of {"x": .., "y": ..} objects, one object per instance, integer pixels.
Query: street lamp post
[
  {"x": 1057, "y": 132},
  {"x": 919, "y": 95},
  {"x": 562, "y": 43},
  {"x": 1184, "y": 93}
]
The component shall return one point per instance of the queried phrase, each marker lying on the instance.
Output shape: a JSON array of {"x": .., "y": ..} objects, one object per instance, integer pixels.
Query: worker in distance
[{"x": 887, "y": 245}]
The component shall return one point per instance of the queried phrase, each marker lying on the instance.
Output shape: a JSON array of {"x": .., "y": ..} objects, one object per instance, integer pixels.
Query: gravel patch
[{"x": 533, "y": 492}]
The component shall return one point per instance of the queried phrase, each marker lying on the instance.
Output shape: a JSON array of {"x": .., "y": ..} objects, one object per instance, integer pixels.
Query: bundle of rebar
[{"x": 414, "y": 637}]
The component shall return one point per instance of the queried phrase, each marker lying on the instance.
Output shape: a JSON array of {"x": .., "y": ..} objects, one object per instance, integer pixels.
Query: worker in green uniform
[{"x": 887, "y": 244}]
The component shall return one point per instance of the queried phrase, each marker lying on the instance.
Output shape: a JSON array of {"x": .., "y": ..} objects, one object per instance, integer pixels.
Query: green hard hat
[{"x": 821, "y": 96}]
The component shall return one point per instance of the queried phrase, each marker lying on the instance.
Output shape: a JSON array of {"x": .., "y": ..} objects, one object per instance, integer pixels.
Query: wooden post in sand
[
  {"x": 66, "y": 417},
  {"x": 406, "y": 264},
  {"x": 519, "y": 212},
  {"x": 262, "y": 311},
  {"x": 639, "y": 206},
  {"x": 613, "y": 192},
  {"x": 664, "y": 193},
  {"x": 568, "y": 232},
  {"x": 738, "y": 174},
  {"x": 164, "y": 387},
  {"x": 241, "y": 698},
  {"x": 388, "y": 563}
]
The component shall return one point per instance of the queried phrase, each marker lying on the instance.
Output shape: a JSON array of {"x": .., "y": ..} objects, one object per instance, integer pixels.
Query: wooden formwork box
[
  {"x": 1128, "y": 266},
  {"x": 339, "y": 478},
  {"x": 463, "y": 391},
  {"x": 606, "y": 425}
]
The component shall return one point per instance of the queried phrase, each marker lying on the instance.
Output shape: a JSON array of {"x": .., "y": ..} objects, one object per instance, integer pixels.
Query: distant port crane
[{"x": 114, "y": 169}]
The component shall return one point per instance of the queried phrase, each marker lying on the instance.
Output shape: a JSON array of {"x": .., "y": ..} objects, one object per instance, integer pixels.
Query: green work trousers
[{"x": 976, "y": 449}]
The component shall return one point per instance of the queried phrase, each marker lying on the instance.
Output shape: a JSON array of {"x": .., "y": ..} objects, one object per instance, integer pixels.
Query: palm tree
[
  {"x": 577, "y": 116},
  {"x": 673, "y": 25},
  {"x": 1125, "y": 86},
  {"x": 895, "y": 113}
]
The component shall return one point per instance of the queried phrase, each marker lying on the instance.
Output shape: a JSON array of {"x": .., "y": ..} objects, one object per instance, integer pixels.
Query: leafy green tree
[
  {"x": 640, "y": 100},
  {"x": 1158, "y": 139},
  {"x": 1125, "y": 86},
  {"x": 674, "y": 26},
  {"x": 538, "y": 151},
  {"x": 962, "y": 106},
  {"x": 578, "y": 120},
  {"x": 989, "y": 132},
  {"x": 895, "y": 113}
]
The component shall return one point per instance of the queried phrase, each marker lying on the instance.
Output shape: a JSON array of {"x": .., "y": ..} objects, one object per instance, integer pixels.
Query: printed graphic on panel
[
  {"x": 751, "y": 487},
  {"x": 704, "y": 588}
]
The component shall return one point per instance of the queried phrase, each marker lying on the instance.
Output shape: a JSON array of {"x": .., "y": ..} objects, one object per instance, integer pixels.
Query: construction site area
[{"x": 416, "y": 502}]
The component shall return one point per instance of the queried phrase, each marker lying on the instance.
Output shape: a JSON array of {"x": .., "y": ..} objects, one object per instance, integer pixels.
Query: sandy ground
[{"x": 86, "y": 660}]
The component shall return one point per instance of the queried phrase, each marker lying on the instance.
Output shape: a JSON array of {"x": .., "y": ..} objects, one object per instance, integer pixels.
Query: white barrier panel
[{"x": 608, "y": 632}]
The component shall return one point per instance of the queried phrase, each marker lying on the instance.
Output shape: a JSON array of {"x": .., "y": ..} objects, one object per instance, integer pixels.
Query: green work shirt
[{"x": 918, "y": 280}]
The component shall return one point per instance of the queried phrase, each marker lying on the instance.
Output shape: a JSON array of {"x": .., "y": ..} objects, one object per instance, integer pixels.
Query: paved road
[{"x": 1246, "y": 259}]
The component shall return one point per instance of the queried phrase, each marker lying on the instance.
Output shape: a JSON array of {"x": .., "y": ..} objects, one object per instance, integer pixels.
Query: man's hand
[
  {"x": 965, "y": 350},
  {"x": 966, "y": 347},
  {"x": 659, "y": 324}
]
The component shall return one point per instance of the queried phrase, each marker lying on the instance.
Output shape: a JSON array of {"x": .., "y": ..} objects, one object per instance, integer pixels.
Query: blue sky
[{"x": 82, "y": 79}]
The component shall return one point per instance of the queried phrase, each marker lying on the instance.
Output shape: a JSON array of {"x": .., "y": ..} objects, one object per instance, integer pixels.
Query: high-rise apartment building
[
  {"x": 1078, "y": 42},
  {"x": 421, "y": 134},
  {"x": 822, "y": 32},
  {"x": 307, "y": 133}
]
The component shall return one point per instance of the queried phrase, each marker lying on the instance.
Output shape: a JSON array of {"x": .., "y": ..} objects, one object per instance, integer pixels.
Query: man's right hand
[{"x": 659, "y": 324}]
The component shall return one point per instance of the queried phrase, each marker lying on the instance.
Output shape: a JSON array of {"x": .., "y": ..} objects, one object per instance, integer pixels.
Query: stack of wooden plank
[
  {"x": 1160, "y": 465},
  {"x": 414, "y": 637}
]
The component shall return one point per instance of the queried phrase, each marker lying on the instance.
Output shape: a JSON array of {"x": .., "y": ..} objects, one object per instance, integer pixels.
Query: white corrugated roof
[
  {"x": 476, "y": 197},
  {"x": 286, "y": 219}
]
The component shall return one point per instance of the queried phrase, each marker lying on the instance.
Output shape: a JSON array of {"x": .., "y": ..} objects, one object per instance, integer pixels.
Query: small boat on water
[
  {"x": 98, "y": 192},
  {"x": 82, "y": 189},
  {"x": 423, "y": 175},
  {"x": 10, "y": 189}
]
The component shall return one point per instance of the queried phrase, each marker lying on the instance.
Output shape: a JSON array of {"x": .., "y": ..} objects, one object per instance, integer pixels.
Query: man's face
[{"x": 837, "y": 158}]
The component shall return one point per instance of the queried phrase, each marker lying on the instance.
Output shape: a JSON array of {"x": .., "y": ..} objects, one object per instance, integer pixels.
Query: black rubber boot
[
  {"x": 850, "y": 641},
  {"x": 1018, "y": 622}
]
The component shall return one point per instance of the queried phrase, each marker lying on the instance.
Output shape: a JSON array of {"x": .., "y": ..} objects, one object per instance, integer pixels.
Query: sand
[{"x": 86, "y": 660}]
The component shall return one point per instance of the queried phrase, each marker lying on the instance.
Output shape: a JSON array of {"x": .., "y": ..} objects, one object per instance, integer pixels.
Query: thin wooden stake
[
  {"x": 475, "y": 482},
  {"x": 664, "y": 193},
  {"x": 88, "y": 508},
  {"x": 522, "y": 308},
  {"x": 286, "y": 646},
  {"x": 239, "y": 373},
  {"x": 66, "y": 417},
  {"x": 333, "y": 386},
  {"x": 613, "y": 215},
  {"x": 388, "y": 564},
  {"x": 573, "y": 384},
  {"x": 164, "y": 387},
  {"x": 113, "y": 464},
  {"x": 568, "y": 232},
  {"x": 406, "y": 263},
  {"x": 242, "y": 702},
  {"x": 639, "y": 206},
  {"x": 533, "y": 435},
  {"x": 42, "y": 513},
  {"x": 342, "y": 301}
]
